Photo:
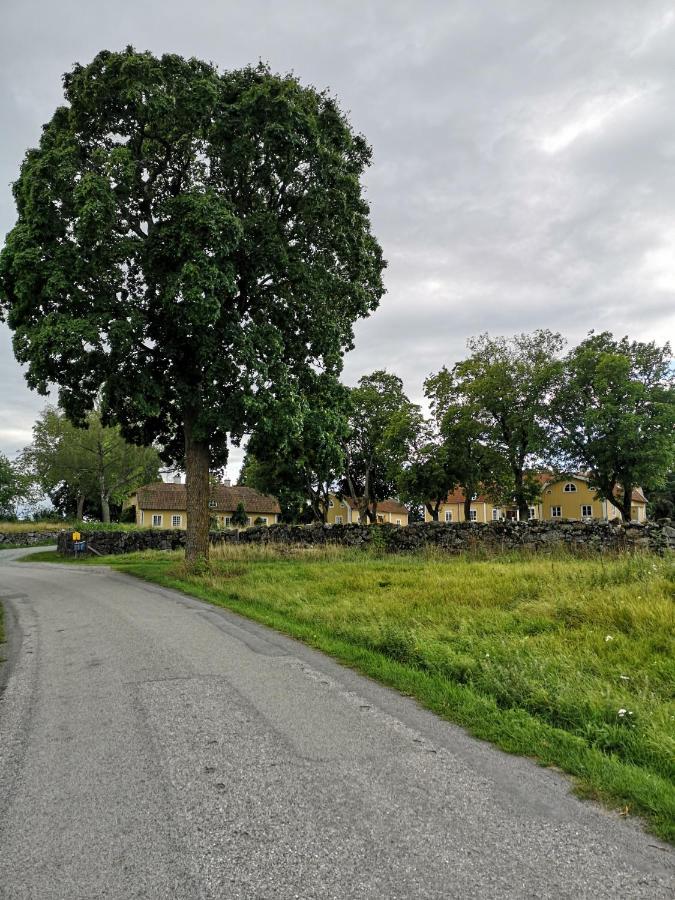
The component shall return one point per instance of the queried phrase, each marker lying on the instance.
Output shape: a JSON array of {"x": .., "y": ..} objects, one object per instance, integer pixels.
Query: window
[
  {"x": 213, "y": 504},
  {"x": 142, "y": 517},
  {"x": 157, "y": 521},
  {"x": 331, "y": 504},
  {"x": 555, "y": 512},
  {"x": 474, "y": 496},
  {"x": 587, "y": 512},
  {"x": 338, "y": 520},
  {"x": 398, "y": 521},
  {"x": 249, "y": 520},
  {"x": 448, "y": 516},
  {"x": 175, "y": 521},
  {"x": 495, "y": 515},
  {"x": 570, "y": 488},
  {"x": 472, "y": 515},
  {"x": 532, "y": 513}
]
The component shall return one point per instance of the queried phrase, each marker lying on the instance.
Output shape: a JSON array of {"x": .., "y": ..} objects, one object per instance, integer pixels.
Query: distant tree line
[
  {"x": 512, "y": 407},
  {"x": 89, "y": 470}
]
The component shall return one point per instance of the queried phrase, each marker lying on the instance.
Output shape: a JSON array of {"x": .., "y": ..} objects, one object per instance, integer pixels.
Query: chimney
[
  {"x": 176, "y": 478},
  {"x": 227, "y": 482}
]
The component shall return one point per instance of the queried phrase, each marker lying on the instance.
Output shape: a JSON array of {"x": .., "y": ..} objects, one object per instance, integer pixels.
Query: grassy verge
[{"x": 569, "y": 661}]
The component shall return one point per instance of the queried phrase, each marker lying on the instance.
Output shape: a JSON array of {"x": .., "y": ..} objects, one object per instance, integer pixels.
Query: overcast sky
[{"x": 523, "y": 153}]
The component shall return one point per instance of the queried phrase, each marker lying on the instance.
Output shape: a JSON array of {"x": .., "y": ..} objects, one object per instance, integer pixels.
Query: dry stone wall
[
  {"x": 10, "y": 539},
  {"x": 581, "y": 537}
]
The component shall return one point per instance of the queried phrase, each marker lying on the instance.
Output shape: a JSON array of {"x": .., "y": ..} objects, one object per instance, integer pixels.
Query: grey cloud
[{"x": 523, "y": 152}]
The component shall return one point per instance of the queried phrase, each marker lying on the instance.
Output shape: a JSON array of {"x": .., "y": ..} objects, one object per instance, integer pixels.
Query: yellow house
[
  {"x": 163, "y": 505},
  {"x": 483, "y": 509},
  {"x": 571, "y": 497},
  {"x": 568, "y": 497},
  {"x": 342, "y": 511}
]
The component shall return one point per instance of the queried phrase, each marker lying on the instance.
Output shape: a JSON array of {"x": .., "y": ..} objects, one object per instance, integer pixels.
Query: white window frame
[
  {"x": 584, "y": 514},
  {"x": 570, "y": 488},
  {"x": 213, "y": 504},
  {"x": 338, "y": 520},
  {"x": 531, "y": 513},
  {"x": 156, "y": 520},
  {"x": 496, "y": 514},
  {"x": 558, "y": 514},
  {"x": 176, "y": 521},
  {"x": 398, "y": 521},
  {"x": 473, "y": 515},
  {"x": 448, "y": 515}
]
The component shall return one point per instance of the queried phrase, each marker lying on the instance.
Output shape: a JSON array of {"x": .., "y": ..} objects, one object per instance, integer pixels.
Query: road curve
[{"x": 153, "y": 746}]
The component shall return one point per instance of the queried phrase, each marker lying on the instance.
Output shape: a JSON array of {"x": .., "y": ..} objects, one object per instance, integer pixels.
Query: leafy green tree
[
  {"x": 615, "y": 415},
  {"x": 14, "y": 487},
  {"x": 662, "y": 498},
  {"x": 505, "y": 386},
  {"x": 239, "y": 516},
  {"x": 383, "y": 424},
  {"x": 302, "y": 465},
  {"x": 278, "y": 477},
  {"x": 428, "y": 476},
  {"x": 471, "y": 459},
  {"x": 189, "y": 245},
  {"x": 91, "y": 462}
]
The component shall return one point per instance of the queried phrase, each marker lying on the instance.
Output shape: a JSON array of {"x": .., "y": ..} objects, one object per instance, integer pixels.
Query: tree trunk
[
  {"x": 433, "y": 511},
  {"x": 467, "y": 507},
  {"x": 521, "y": 502},
  {"x": 626, "y": 502},
  {"x": 105, "y": 509},
  {"x": 80, "y": 507},
  {"x": 197, "y": 491}
]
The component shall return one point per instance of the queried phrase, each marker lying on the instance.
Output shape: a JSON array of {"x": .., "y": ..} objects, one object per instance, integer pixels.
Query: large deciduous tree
[
  {"x": 383, "y": 424},
  {"x": 302, "y": 465},
  {"x": 94, "y": 462},
  {"x": 14, "y": 487},
  {"x": 506, "y": 385},
  {"x": 472, "y": 460},
  {"x": 615, "y": 415},
  {"x": 189, "y": 243}
]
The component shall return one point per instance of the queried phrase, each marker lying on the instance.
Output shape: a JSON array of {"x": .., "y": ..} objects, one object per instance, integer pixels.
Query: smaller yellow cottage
[
  {"x": 343, "y": 511},
  {"x": 163, "y": 505}
]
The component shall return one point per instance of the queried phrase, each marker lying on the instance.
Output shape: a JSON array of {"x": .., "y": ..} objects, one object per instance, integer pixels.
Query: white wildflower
[
  {"x": 624, "y": 677},
  {"x": 609, "y": 638},
  {"x": 622, "y": 713}
]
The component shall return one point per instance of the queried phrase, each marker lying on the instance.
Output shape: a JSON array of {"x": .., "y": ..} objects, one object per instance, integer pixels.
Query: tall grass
[{"x": 569, "y": 660}]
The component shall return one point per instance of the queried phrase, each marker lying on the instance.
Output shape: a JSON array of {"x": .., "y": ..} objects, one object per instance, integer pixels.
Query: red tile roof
[{"x": 166, "y": 495}]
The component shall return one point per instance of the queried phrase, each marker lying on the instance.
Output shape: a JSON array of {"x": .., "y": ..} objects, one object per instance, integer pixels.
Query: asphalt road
[{"x": 152, "y": 746}]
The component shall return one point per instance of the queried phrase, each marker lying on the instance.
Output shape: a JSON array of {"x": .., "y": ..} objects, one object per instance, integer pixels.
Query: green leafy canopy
[{"x": 189, "y": 242}]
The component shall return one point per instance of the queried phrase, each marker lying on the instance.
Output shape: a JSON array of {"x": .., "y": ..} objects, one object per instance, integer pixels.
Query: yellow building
[
  {"x": 571, "y": 497},
  {"x": 568, "y": 497},
  {"x": 342, "y": 511},
  {"x": 163, "y": 505},
  {"x": 482, "y": 509}
]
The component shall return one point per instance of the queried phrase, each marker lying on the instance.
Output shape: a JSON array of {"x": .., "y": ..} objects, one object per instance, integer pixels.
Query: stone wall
[
  {"x": 456, "y": 537},
  {"x": 27, "y": 538}
]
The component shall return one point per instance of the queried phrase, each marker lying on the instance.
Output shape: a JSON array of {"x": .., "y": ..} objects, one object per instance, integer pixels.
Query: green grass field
[{"x": 570, "y": 661}]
